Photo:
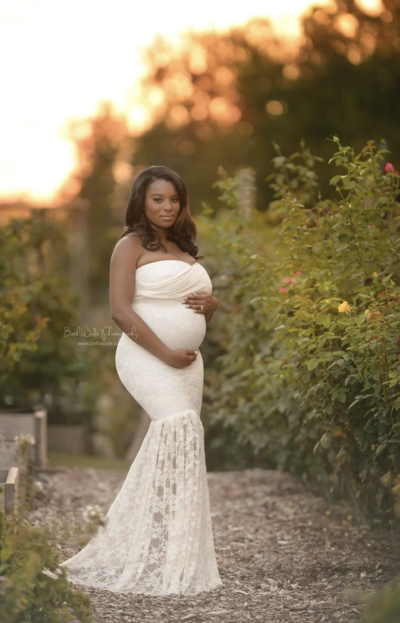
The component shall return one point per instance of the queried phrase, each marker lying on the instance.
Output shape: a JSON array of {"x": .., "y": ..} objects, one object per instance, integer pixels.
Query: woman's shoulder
[
  {"x": 132, "y": 239},
  {"x": 132, "y": 235},
  {"x": 129, "y": 245}
]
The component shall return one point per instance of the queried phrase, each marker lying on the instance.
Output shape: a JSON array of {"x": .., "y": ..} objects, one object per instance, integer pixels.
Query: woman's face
[{"x": 161, "y": 204}]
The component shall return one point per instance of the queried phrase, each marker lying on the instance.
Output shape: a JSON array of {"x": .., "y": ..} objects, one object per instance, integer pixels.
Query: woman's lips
[{"x": 167, "y": 218}]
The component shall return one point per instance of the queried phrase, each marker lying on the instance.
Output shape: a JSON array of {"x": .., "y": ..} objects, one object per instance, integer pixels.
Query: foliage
[
  {"x": 235, "y": 430},
  {"x": 383, "y": 606},
  {"x": 27, "y": 595},
  {"x": 19, "y": 328},
  {"x": 310, "y": 367},
  {"x": 36, "y": 302}
]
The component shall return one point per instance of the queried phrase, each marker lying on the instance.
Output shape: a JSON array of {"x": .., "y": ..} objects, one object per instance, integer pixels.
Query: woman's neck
[{"x": 162, "y": 233}]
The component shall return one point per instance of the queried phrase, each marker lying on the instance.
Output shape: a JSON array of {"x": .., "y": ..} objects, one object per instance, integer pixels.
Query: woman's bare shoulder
[{"x": 129, "y": 242}]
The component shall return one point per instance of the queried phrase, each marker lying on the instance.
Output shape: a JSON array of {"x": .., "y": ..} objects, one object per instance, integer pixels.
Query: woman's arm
[
  {"x": 209, "y": 316},
  {"x": 122, "y": 285}
]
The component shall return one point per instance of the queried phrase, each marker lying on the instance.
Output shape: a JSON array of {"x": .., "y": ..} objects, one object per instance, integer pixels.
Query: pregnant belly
[{"x": 175, "y": 324}]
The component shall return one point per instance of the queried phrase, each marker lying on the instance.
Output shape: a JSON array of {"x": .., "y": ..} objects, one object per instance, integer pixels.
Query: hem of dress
[{"x": 215, "y": 587}]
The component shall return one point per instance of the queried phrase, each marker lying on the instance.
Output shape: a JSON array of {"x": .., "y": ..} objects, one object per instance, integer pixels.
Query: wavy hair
[{"x": 182, "y": 232}]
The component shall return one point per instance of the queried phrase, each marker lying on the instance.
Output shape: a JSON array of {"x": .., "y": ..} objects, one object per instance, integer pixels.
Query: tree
[
  {"x": 100, "y": 141},
  {"x": 223, "y": 99}
]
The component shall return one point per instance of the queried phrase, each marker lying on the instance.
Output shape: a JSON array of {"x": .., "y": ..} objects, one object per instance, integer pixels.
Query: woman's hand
[
  {"x": 181, "y": 358},
  {"x": 201, "y": 303}
]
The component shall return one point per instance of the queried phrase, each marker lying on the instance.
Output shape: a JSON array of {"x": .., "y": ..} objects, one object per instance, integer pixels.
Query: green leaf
[{"x": 380, "y": 448}]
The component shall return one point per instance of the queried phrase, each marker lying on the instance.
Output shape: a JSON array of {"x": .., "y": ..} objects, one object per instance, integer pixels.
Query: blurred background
[{"x": 92, "y": 93}]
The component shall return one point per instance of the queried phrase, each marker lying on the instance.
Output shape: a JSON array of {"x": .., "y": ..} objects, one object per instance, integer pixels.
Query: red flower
[
  {"x": 298, "y": 272},
  {"x": 389, "y": 167},
  {"x": 373, "y": 225},
  {"x": 282, "y": 289}
]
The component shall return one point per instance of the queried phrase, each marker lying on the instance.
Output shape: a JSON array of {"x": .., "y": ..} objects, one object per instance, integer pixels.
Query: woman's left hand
[{"x": 202, "y": 303}]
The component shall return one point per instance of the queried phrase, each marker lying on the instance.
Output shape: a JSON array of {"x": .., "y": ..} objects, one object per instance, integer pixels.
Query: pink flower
[
  {"x": 389, "y": 167},
  {"x": 282, "y": 289},
  {"x": 289, "y": 280},
  {"x": 396, "y": 173},
  {"x": 373, "y": 225},
  {"x": 298, "y": 272}
]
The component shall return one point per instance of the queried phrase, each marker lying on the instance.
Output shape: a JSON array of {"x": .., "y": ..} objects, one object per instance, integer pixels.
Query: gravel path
[{"x": 284, "y": 554}]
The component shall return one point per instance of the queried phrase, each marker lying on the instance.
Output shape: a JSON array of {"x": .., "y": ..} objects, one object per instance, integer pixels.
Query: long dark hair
[{"x": 182, "y": 232}]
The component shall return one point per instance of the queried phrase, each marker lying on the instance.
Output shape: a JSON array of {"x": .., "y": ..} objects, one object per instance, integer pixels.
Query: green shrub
[
  {"x": 313, "y": 387},
  {"x": 37, "y": 364},
  {"x": 27, "y": 595},
  {"x": 19, "y": 328},
  {"x": 383, "y": 606}
]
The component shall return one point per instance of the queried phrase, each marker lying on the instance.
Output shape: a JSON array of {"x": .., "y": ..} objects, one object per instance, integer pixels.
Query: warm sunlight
[{"x": 63, "y": 59}]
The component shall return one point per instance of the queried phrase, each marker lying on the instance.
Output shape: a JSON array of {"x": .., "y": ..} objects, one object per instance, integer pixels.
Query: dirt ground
[{"x": 284, "y": 554}]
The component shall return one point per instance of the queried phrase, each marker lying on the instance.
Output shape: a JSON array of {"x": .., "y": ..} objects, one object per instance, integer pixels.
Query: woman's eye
[{"x": 157, "y": 199}]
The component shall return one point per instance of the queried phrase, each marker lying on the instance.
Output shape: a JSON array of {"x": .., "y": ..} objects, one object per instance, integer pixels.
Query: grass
[{"x": 64, "y": 459}]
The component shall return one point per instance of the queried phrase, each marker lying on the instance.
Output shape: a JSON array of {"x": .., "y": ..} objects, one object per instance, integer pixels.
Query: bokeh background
[{"x": 92, "y": 93}]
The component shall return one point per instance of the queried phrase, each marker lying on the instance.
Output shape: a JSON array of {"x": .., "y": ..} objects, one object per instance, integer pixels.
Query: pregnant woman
[{"x": 158, "y": 537}]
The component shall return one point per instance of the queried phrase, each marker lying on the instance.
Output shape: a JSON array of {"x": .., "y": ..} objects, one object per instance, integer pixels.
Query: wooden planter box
[
  {"x": 14, "y": 422},
  {"x": 9, "y": 490},
  {"x": 9, "y": 461}
]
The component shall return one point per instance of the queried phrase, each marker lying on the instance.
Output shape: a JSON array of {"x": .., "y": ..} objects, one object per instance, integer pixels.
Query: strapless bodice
[
  {"x": 160, "y": 288},
  {"x": 170, "y": 279}
]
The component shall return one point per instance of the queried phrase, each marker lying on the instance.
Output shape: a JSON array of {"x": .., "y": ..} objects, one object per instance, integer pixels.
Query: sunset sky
[{"x": 60, "y": 59}]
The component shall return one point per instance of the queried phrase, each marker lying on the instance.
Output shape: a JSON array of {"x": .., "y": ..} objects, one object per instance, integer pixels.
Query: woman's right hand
[{"x": 182, "y": 357}]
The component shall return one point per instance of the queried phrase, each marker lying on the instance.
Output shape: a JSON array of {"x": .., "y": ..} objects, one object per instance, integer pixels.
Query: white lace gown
[{"x": 158, "y": 537}]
